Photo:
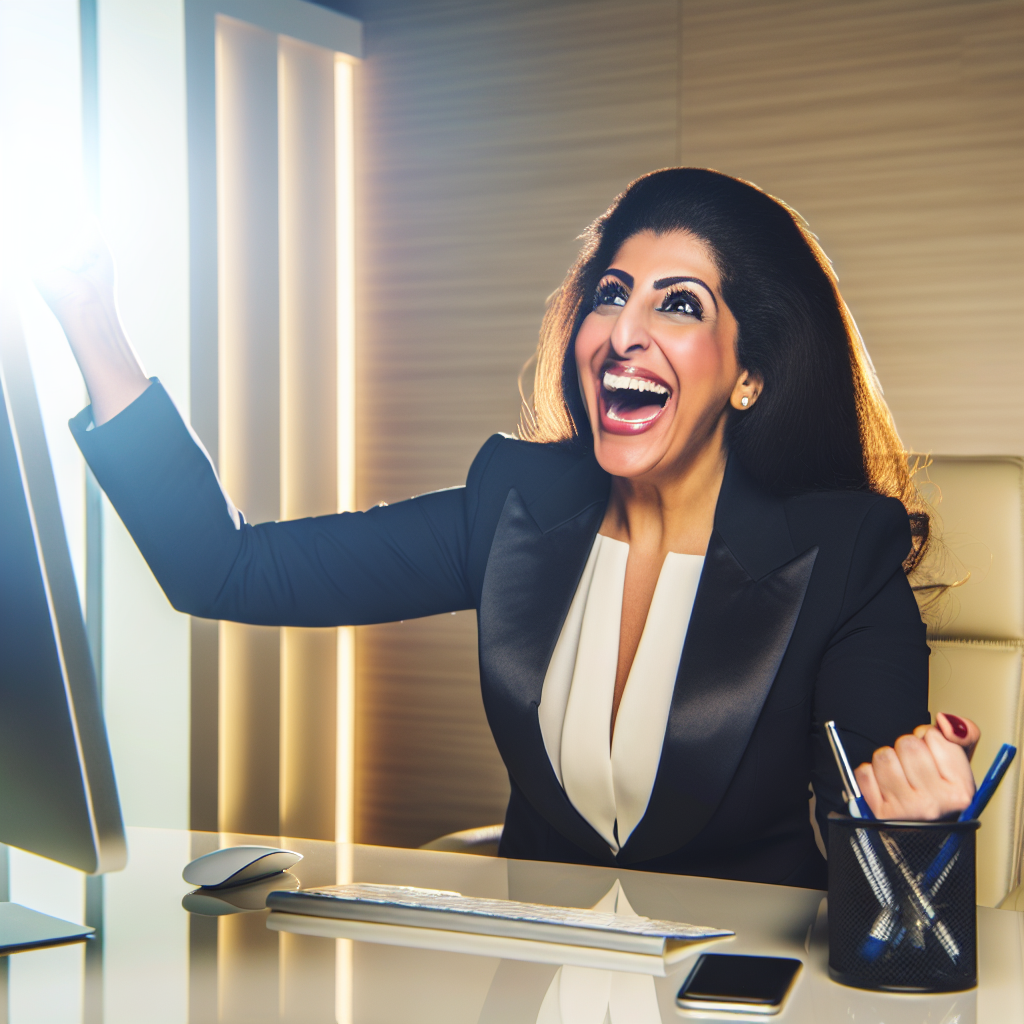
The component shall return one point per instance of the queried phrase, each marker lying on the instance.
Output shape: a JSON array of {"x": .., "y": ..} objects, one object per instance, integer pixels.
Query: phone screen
[{"x": 751, "y": 983}]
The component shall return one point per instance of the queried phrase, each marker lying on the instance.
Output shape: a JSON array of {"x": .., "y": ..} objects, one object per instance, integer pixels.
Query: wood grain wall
[
  {"x": 492, "y": 131},
  {"x": 897, "y": 129}
]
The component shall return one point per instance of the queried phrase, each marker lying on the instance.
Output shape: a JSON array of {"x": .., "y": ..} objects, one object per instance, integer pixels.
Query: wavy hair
[{"x": 820, "y": 422}]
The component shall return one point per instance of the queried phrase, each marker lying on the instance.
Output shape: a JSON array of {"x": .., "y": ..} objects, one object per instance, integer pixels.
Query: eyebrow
[
  {"x": 626, "y": 279},
  {"x": 666, "y": 282}
]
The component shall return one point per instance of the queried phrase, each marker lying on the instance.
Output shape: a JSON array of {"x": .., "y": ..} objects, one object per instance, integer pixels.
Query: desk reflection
[{"x": 157, "y": 962}]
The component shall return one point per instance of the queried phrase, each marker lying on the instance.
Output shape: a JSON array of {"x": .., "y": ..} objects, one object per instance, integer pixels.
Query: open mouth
[{"x": 631, "y": 399}]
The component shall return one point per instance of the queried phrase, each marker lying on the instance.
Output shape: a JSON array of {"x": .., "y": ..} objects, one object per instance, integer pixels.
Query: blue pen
[
  {"x": 988, "y": 786},
  {"x": 982, "y": 795}
]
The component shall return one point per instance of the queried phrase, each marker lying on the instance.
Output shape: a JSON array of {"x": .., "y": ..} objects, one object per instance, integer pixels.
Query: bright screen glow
[{"x": 42, "y": 210}]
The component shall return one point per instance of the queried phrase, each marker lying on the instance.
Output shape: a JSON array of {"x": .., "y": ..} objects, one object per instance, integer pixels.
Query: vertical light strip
[
  {"x": 344, "y": 136},
  {"x": 220, "y": 73},
  {"x": 344, "y": 168},
  {"x": 345, "y": 235}
]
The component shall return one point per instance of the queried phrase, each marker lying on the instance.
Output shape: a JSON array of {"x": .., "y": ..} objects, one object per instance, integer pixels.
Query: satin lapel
[
  {"x": 746, "y": 607},
  {"x": 532, "y": 574}
]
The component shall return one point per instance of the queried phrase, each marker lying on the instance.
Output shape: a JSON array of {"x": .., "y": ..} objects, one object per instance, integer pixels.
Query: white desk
[{"x": 155, "y": 963}]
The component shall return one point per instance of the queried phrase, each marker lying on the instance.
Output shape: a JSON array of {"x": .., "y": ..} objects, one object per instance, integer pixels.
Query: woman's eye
[
  {"x": 610, "y": 293},
  {"x": 682, "y": 302}
]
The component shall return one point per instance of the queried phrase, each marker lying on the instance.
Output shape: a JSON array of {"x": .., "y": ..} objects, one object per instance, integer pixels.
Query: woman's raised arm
[
  {"x": 81, "y": 294},
  {"x": 402, "y": 561}
]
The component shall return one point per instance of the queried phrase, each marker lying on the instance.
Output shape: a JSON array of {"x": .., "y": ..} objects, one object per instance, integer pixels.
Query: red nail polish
[{"x": 958, "y": 725}]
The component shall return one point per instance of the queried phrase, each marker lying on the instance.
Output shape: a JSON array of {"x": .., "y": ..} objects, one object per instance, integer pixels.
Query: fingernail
[{"x": 958, "y": 725}]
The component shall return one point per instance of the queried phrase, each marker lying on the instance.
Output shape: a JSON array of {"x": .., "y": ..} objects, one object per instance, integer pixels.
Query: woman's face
[{"x": 656, "y": 357}]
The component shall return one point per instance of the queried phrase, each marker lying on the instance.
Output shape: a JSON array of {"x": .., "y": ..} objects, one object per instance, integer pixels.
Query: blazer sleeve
[
  {"x": 392, "y": 562},
  {"x": 873, "y": 679}
]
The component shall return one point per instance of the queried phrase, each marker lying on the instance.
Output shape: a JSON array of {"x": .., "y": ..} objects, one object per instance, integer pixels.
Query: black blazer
[{"x": 802, "y": 614}]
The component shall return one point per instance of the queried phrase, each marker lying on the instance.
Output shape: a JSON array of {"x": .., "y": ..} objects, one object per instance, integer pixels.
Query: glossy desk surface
[{"x": 156, "y": 962}]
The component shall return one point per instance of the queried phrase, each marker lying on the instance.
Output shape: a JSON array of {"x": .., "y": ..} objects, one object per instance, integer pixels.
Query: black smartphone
[{"x": 738, "y": 984}]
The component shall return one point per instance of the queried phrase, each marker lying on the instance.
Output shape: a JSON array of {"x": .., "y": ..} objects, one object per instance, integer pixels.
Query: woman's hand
[
  {"x": 80, "y": 291},
  {"x": 81, "y": 278},
  {"x": 924, "y": 776}
]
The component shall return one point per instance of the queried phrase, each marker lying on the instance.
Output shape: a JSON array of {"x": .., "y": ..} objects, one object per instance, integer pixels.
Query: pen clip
[{"x": 842, "y": 761}]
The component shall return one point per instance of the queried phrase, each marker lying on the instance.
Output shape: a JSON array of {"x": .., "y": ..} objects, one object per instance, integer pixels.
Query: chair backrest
[{"x": 976, "y": 633}]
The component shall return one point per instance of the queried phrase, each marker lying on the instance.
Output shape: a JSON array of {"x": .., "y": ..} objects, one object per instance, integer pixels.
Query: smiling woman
[{"x": 696, "y": 558}]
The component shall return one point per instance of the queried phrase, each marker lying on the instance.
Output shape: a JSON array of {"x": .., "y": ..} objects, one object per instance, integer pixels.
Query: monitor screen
[{"x": 58, "y": 797}]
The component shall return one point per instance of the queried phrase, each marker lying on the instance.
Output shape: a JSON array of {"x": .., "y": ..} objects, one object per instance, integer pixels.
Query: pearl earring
[{"x": 744, "y": 401}]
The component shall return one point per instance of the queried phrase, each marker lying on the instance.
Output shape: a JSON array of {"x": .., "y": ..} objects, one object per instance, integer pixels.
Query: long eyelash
[
  {"x": 607, "y": 290},
  {"x": 684, "y": 293}
]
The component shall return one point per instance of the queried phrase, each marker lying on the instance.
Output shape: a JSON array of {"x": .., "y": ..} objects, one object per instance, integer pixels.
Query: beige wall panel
[
  {"x": 309, "y": 332},
  {"x": 249, "y": 732},
  {"x": 309, "y": 659},
  {"x": 491, "y": 133},
  {"x": 897, "y": 128},
  {"x": 247, "y": 188},
  {"x": 203, "y": 736},
  {"x": 247, "y": 193},
  {"x": 309, "y": 427}
]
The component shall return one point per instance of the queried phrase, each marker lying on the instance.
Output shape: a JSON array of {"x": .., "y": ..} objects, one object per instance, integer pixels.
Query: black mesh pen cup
[{"x": 901, "y": 905}]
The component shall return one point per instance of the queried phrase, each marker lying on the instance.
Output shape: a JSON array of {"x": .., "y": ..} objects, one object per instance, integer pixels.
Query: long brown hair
[{"x": 821, "y": 422}]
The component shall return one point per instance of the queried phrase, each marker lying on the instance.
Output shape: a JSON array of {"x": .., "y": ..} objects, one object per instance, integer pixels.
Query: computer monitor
[{"x": 58, "y": 796}]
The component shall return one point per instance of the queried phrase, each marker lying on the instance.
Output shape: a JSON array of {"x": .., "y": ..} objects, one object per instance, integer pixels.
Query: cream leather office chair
[
  {"x": 482, "y": 841},
  {"x": 976, "y": 634}
]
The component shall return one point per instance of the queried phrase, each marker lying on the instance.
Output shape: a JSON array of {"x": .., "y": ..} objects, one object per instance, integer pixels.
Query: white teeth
[{"x": 613, "y": 382}]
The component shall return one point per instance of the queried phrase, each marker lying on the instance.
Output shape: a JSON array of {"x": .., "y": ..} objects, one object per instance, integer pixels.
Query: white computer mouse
[
  {"x": 237, "y": 864},
  {"x": 237, "y": 899}
]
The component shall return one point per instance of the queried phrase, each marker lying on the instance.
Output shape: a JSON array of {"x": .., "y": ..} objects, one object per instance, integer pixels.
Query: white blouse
[{"x": 610, "y": 783}]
